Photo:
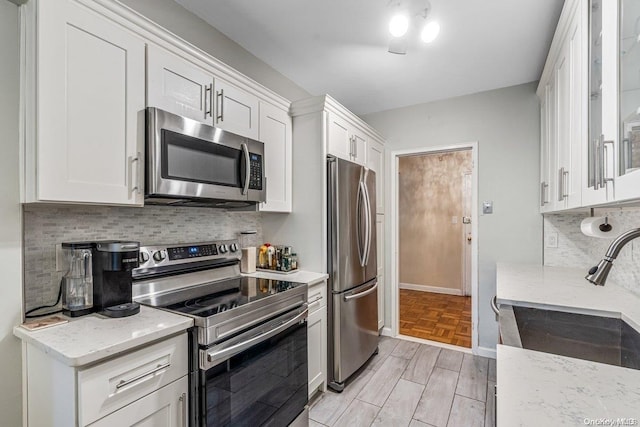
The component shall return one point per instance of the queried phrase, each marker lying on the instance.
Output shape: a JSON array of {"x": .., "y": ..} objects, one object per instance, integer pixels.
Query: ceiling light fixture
[{"x": 400, "y": 25}]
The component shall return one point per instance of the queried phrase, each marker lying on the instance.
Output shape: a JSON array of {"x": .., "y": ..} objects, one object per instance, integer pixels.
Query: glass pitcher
[{"x": 77, "y": 295}]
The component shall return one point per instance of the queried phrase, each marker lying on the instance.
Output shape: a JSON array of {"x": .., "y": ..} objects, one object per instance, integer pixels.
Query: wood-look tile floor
[
  {"x": 436, "y": 317},
  {"x": 412, "y": 385}
]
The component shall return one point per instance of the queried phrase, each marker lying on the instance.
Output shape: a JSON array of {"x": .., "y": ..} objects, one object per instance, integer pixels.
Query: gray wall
[
  {"x": 10, "y": 221},
  {"x": 580, "y": 251},
  {"x": 195, "y": 30},
  {"x": 505, "y": 122}
]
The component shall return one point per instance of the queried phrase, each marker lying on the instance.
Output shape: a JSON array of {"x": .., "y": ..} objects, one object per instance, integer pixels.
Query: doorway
[{"x": 436, "y": 253}]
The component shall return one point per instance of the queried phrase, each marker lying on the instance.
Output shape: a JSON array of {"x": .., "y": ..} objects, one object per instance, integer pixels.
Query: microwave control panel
[{"x": 255, "y": 171}]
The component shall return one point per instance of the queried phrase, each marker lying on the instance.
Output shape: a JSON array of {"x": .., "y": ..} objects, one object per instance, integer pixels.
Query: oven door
[
  {"x": 257, "y": 378},
  {"x": 188, "y": 159}
]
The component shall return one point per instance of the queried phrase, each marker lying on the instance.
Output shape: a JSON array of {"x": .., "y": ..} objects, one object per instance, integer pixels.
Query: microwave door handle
[{"x": 247, "y": 168}]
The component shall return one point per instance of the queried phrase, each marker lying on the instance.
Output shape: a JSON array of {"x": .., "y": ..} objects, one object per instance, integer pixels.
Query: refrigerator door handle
[
  {"x": 362, "y": 294},
  {"x": 360, "y": 201},
  {"x": 368, "y": 223}
]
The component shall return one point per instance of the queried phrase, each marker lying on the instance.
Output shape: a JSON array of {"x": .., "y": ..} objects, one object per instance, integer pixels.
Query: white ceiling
[{"x": 340, "y": 47}]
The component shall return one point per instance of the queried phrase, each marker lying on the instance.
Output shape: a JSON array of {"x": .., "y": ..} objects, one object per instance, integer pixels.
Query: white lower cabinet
[
  {"x": 166, "y": 407},
  {"x": 147, "y": 386},
  {"x": 317, "y": 337}
]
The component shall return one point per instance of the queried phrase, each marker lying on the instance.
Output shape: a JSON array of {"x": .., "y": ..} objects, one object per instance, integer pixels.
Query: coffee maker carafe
[
  {"x": 77, "y": 283},
  {"x": 113, "y": 262}
]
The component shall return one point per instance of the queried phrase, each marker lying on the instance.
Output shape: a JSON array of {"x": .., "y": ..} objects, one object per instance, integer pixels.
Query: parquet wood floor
[{"x": 437, "y": 317}]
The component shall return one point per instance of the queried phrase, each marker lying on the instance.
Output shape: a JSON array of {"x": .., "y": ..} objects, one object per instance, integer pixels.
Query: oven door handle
[{"x": 215, "y": 356}]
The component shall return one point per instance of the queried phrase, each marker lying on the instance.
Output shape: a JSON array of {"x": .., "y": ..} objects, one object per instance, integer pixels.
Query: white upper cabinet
[
  {"x": 275, "y": 133},
  {"x": 345, "y": 140},
  {"x": 235, "y": 110},
  {"x": 178, "y": 86},
  {"x": 85, "y": 143},
  {"x": 375, "y": 162},
  {"x": 562, "y": 95}
]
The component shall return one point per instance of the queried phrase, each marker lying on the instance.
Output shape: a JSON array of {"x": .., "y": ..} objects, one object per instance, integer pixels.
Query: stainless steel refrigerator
[{"x": 352, "y": 268}]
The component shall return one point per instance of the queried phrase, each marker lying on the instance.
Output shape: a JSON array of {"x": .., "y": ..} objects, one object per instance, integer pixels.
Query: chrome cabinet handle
[
  {"x": 135, "y": 185},
  {"x": 565, "y": 183},
  {"x": 208, "y": 95},
  {"x": 159, "y": 368},
  {"x": 315, "y": 301},
  {"x": 362, "y": 294},
  {"x": 247, "y": 166},
  {"x": 543, "y": 193},
  {"x": 183, "y": 403},
  {"x": 605, "y": 165},
  {"x": 355, "y": 147},
  {"x": 215, "y": 356},
  {"x": 220, "y": 105},
  {"x": 596, "y": 162},
  {"x": 561, "y": 184}
]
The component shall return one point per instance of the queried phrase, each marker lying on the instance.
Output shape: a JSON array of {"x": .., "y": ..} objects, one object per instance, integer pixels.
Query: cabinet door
[
  {"x": 317, "y": 348},
  {"x": 90, "y": 107},
  {"x": 235, "y": 110},
  {"x": 166, "y": 407},
  {"x": 275, "y": 133},
  {"x": 577, "y": 103},
  {"x": 178, "y": 86},
  {"x": 339, "y": 141},
  {"x": 627, "y": 183},
  {"x": 563, "y": 135},
  {"x": 359, "y": 154},
  {"x": 545, "y": 154},
  {"x": 380, "y": 260},
  {"x": 375, "y": 162}
]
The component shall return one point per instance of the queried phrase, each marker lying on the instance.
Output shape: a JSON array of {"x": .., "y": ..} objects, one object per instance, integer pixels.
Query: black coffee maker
[{"x": 113, "y": 262}]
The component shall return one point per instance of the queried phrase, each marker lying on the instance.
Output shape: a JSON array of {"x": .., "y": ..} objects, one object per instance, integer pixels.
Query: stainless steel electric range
[{"x": 248, "y": 350}]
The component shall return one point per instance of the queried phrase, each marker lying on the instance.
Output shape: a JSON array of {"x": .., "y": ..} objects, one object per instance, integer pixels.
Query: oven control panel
[{"x": 157, "y": 256}]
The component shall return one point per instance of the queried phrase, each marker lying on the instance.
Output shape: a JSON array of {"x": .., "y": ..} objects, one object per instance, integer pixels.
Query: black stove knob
[
  {"x": 222, "y": 249},
  {"x": 159, "y": 255},
  {"x": 144, "y": 257},
  {"x": 233, "y": 247}
]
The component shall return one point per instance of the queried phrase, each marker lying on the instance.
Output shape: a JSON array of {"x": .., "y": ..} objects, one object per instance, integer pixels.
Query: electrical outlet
[{"x": 552, "y": 240}]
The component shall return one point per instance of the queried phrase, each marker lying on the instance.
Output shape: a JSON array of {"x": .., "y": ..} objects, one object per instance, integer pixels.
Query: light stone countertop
[
  {"x": 302, "y": 276},
  {"x": 536, "y": 388},
  {"x": 90, "y": 338}
]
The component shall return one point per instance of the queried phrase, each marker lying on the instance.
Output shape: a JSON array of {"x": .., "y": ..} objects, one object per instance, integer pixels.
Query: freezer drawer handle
[{"x": 362, "y": 294}]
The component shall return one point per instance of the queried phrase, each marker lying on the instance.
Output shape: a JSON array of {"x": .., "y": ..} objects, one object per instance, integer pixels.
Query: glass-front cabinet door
[{"x": 628, "y": 179}]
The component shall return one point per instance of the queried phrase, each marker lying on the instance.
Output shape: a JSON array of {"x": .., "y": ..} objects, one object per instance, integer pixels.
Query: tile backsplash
[
  {"x": 577, "y": 250},
  {"x": 45, "y": 226}
]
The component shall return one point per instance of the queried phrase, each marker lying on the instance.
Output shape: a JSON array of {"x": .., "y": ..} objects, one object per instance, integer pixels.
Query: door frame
[{"x": 395, "y": 237}]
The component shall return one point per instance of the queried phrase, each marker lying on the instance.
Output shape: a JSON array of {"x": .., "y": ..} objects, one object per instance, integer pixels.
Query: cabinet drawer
[
  {"x": 317, "y": 296},
  {"x": 107, "y": 387}
]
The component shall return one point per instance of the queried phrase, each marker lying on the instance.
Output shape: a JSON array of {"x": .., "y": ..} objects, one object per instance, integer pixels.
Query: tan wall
[{"x": 430, "y": 194}]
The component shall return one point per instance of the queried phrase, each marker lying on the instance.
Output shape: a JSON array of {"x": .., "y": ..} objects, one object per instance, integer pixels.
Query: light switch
[{"x": 487, "y": 207}]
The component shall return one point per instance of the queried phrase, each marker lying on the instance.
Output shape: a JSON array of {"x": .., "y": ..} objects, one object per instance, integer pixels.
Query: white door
[
  {"x": 275, "y": 133},
  {"x": 467, "y": 193},
  {"x": 339, "y": 142},
  {"x": 380, "y": 274},
  {"x": 235, "y": 110},
  {"x": 178, "y": 86},
  {"x": 91, "y": 85}
]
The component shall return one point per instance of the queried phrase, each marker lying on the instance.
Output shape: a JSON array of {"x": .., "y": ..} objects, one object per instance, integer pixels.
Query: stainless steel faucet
[{"x": 598, "y": 274}]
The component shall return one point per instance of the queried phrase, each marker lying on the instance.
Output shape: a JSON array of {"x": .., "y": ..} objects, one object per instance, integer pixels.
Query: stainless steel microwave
[{"x": 189, "y": 163}]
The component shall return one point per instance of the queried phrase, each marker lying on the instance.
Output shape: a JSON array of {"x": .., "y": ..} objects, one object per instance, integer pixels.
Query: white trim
[
  {"x": 435, "y": 344},
  {"x": 433, "y": 289},
  {"x": 394, "y": 235},
  {"x": 486, "y": 352},
  {"x": 386, "y": 332}
]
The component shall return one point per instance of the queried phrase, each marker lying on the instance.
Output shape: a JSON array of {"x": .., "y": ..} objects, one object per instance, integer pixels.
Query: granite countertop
[
  {"x": 536, "y": 388},
  {"x": 88, "y": 339},
  {"x": 302, "y": 276}
]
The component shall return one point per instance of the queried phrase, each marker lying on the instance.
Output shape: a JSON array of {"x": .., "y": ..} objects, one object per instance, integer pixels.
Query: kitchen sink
[{"x": 594, "y": 338}]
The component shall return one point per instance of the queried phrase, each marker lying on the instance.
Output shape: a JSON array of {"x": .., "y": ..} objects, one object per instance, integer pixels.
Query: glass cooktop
[{"x": 214, "y": 298}]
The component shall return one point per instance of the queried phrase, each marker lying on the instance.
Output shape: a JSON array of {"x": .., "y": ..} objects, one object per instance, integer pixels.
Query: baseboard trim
[
  {"x": 435, "y": 343},
  {"x": 486, "y": 352},
  {"x": 434, "y": 289},
  {"x": 386, "y": 332}
]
